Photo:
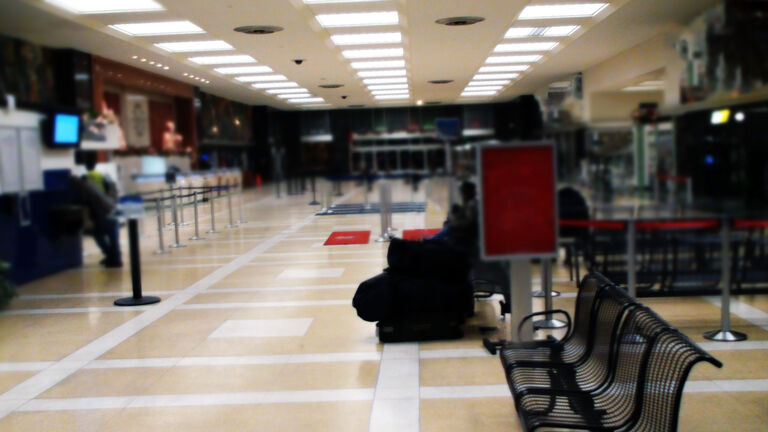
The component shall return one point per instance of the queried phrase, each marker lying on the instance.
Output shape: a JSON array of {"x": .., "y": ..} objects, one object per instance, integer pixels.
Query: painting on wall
[
  {"x": 224, "y": 121},
  {"x": 136, "y": 120},
  {"x": 26, "y": 72}
]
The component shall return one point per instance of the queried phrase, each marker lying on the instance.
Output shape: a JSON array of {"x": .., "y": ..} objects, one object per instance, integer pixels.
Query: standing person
[{"x": 99, "y": 195}]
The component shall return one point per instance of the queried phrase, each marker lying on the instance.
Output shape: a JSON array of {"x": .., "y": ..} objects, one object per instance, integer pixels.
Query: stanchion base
[
  {"x": 185, "y": 224},
  {"x": 241, "y": 222},
  {"x": 231, "y": 226},
  {"x": 162, "y": 251},
  {"x": 196, "y": 238},
  {"x": 130, "y": 301},
  {"x": 177, "y": 245},
  {"x": 212, "y": 232},
  {"x": 383, "y": 238},
  {"x": 725, "y": 336},
  {"x": 549, "y": 324},
  {"x": 314, "y": 202}
]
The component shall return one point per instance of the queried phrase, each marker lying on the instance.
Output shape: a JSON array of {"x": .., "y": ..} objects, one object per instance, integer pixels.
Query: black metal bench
[{"x": 629, "y": 376}]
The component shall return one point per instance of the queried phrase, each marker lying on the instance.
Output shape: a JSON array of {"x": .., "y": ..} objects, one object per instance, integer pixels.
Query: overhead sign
[{"x": 518, "y": 211}]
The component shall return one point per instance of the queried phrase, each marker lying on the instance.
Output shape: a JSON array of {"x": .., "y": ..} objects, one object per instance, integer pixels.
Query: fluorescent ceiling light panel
[
  {"x": 567, "y": 10},
  {"x": 230, "y": 59},
  {"x": 294, "y": 96},
  {"x": 387, "y": 97},
  {"x": 482, "y": 77},
  {"x": 526, "y": 46},
  {"x": 513, "y": 59},
  {"x": 158, "y": 28},
  {"x": 361, "y": 19},
  {"x": 381, "y": 64},
  {"x": 488, "y": 82},
  {"x": 261, "y": 78},
  {"x": 508, "y": 68},
  {"x": 338, "y": 1},
  {"x": 243, "y": 70},
  {"x": 382, "y": 73},
  {"x": 390, "y": 92},
  {"x": 192, "y": 46},
  {"x": 642, "y": 89},
  {"x": 367, "y": 38},
  {"x": 373, "y": 53},
  {"x": 287, "y": 91},
  {"x": 306, "y": 100},
  {"x": 388, "y": 87},
  {"x": 398, "y": 80},
  {"x": 274, "y": 85},
  {"x": 107, "y": 6},
  {"x": 483, "y": 88},
  {"x": 652, "y": 83},
  {"x": 477, "y": 93},
  {"x": 526, "y": 32}
]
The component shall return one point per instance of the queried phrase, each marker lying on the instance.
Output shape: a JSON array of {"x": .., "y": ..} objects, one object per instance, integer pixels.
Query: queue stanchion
[
  {"x": 724, "y": 333},
  {"x": 549, "y": 322},
  {"x": 314, "y": 191},
  {"x": 546, "y": 277},
  {"x": 390, "y": 228},
  {"x": 181, "y": 209},
  {"x": 240, "y": 219},
  {"x": 213, "y": 214},
  {"x": 164, "y": 226},
  {"x": 631, "y": 258},
  {"x": 133, "y": 208},
  {"x": 197, "y": 226},
  {"x": 174, "y": 207},
  {"x": 385, "y": 235},
  {"x": 229, "y": 205},
  {"x": 161, "y": 248}
]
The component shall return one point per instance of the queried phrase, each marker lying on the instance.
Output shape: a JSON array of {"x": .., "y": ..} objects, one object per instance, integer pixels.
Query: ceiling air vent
[
  {"x": 258, "y": 29},
  {"x": 440, "y": 81},
  {"x": 460, "y": 20},
  {"x": 331, "y": 86},
  {"x": 432, "y": 103},
  {"x": 356, "y": 106}
]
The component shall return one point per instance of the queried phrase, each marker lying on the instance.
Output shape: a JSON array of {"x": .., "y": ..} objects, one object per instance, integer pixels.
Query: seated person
[{"x": 461, "y": 229}]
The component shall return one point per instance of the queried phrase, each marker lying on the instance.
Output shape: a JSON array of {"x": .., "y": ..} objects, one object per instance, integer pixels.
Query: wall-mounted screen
[{"x": 66, "y": 129}]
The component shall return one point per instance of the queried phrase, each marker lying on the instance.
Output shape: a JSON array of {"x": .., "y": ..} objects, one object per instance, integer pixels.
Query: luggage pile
[{"x": 424, "y": 294}]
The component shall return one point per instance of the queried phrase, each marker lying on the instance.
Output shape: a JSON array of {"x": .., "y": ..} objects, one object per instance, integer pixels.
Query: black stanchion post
[{"x": 133, "y": 243}]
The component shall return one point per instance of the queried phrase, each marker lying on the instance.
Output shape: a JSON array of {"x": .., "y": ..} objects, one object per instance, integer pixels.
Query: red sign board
[{"x": 518, "y": 211}]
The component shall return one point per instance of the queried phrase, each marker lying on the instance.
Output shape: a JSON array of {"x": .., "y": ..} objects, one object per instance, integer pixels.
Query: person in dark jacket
[
  {"x": 461, "y": 227},
  {"x": 97, "y": 194}
]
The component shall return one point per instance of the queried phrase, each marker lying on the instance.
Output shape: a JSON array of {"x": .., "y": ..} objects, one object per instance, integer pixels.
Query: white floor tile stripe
[
  {"x": 396, "y": 401},
  {"x": 235, "y": 360},
  {"x": 282, "y": 288},
  {"x": 743, "y": 311},
  {"x": 328, "y": 253},
  {"x": 319, "y": 261},
  {"x": 42, "y": 381},
  {"x": 115, "y": 294},
  {"x": 258, "y": 305},
  {"x": 454, "y": 353}
]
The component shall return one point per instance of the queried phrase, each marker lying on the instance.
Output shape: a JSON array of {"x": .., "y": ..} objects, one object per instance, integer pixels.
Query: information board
[{"x": 518, "y": 211}]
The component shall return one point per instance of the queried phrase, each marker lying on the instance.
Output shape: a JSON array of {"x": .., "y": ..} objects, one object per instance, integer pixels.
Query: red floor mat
[
  {"x": 418, "y": 234},
  {"x": 348, "y": 238}
]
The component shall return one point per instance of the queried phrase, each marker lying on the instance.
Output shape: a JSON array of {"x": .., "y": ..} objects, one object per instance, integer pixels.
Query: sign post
[{"x": 518, "y": 215}]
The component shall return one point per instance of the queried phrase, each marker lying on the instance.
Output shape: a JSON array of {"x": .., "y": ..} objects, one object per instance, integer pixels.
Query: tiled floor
[{"x": 256, "y": 332}]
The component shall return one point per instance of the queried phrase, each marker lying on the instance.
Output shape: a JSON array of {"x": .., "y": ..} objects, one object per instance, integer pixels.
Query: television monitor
[
  {"x": 62, "y": 130},
  {"x": 153, "y": 165}
]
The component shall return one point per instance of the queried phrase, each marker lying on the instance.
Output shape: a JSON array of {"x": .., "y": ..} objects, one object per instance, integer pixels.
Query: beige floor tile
[
  {"x": 751, "y": 364},
  {"x": 469, "y": 415},
  {"x": 319, "y": 417},
  {"x": 461, "y": 371},
  {"x": 106, "y": 382},
  {"x": 8, "y": 380},
  {"x": 743, "y": 412},
  {"x": 759, "y": 301},
  {"x": 270, "y": 296},
  {"x": 58, "y": 421}
]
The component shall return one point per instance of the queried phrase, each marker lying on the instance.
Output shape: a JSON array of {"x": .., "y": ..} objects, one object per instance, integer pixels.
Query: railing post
[
  {"x": 181, "y": 210},
  {"x": 213, "y": 214},
  {"x": 314, "y": 191},
  {"x": 177, "y": 243},
  {"x": 138, "y": 298},
  {"x": 229, "y": 205},
  {"x": 240, "y": 219},
  {"x": 385, "y": 235},
  {"x": 197, "y": 225},
  {"x": 725, "y": 334},
  {"x": 631, "y": 258},
  {"x": 165, "y": 226},
  {"x": 159, "y": 210}
]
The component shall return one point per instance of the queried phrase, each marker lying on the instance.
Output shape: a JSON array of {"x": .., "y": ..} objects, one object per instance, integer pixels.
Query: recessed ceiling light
[
  {"x": 519, "y": 32},
  {"x": 258, "y": 29},
  {"x": 243, "y": 70},
  {"x": 261, "y": 78},
  {"x": 274, "y": 85},
  {"x": 560, "y": 31},
  {"x": 381, "y": 73},
  {"x": 192, "y": 46},
  {"x": 166, "y": 67},
  {"x": 483, "y": 88},
  {"x": 389, "y": 92},
  {"x": 135, "y": 57},
  {"x": 398, "y": 80},
  {"x": 152, "y": 62},
  {"x": 478, "y": 93},
  {"x": 367, "y": 38},
  {"x": 420, "y": 102},
  {"x": 360, "y": 19},
  {"x": 287, "y": 91},
  {"x": 572, "y": 10},
  {"x": 642, "y": 89},
  {"x": 387, "y": 97},
  {"x": 306, "y": 100},
  {"x": 294, "y": 95},
  {"x": 226, "y": 59},
  {"x": 107, "y": 6},
  {"x": 526, "y": 46},
  {"x": 185, "y": 74},
  {"x": 513, "y": 59},
  {"x": 373, "y": 53},
  {"x": 381, "y": 64},
  {"x": 481, "y": 77},
  {"x": 143, "y": 60},
  {"x": 158, "y": 28},
  {"x": 488, "y": 82},
  {"x": 388, "y": 87},
  {"x": 507, "y": 68}
]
